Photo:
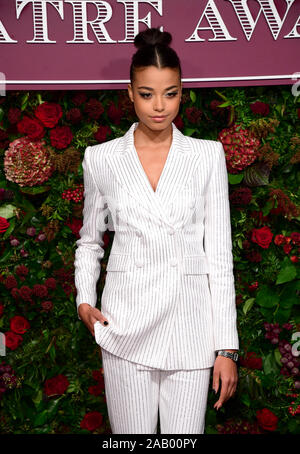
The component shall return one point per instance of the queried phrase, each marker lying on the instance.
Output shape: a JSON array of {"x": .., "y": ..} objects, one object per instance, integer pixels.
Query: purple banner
[{"x": 88, "y": 44}]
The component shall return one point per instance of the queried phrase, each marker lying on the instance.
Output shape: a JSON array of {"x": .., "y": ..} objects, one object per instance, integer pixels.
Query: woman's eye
[{"x": 169, "y": 95}]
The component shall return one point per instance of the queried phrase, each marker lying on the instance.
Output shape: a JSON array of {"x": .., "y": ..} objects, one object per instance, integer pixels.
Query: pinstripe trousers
[{"x": 137, "y": 394}]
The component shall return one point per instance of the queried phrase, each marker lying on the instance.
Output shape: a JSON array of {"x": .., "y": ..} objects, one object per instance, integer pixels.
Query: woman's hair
[{"x": 154, "y": 50}]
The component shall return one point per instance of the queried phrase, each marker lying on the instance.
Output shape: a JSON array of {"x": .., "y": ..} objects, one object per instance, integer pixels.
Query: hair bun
[{"x": 152, "y": 36}]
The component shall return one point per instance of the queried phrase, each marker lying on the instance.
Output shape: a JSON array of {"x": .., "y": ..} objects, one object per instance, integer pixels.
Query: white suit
[{"x": 169, "y": 293}]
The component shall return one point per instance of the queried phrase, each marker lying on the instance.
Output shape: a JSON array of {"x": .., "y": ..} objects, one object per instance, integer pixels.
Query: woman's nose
[{"x": 158, "y": 104}]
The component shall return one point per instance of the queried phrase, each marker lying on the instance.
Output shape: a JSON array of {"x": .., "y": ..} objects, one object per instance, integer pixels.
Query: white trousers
[{"x": 135, "y": 394}]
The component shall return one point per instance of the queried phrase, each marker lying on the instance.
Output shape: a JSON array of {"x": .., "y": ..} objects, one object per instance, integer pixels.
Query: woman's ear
[{"x": 130, "y": 92}]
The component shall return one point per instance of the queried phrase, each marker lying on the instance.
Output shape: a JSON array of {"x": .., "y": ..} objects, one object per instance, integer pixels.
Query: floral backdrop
[{"x": 51, "y": 375}]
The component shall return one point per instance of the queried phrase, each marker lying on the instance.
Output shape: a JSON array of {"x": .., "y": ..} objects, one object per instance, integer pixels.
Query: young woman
[{"x": 168, "y": 314}]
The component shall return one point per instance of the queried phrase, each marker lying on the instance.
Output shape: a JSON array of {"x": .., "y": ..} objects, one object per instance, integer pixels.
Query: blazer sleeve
[
  {"x": 89, "y": 250},
  {"x": 218, "y": 249}
]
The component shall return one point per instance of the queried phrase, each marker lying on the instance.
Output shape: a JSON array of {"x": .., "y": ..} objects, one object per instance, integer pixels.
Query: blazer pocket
[
  {"x": 118, "y": 262},
  {"x": 195, "y": 264}
]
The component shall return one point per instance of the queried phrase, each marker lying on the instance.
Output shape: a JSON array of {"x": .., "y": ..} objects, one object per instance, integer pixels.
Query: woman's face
[{"x": 156, "y": 93}]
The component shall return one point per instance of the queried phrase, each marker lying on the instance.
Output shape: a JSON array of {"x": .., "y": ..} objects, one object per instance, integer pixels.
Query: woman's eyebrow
[{"x": 169, "y": 88}]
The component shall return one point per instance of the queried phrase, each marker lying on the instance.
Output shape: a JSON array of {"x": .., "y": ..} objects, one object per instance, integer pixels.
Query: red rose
[
  {"x": 31, "y": 128},
  {"x": 56, "y": 385},
  {"x": 12, "y": 340},
  {"x": 4, "y": 224},
  {"x": 266, "y": 419},
  {"x": 91, "y": 421},
  {"x": 251, "y": 361},
  {"x": 96, "y": 390},
  {"x": 49, "y": 113},
  {"x": 295, "y": 237},
  {"x": 287, "y": 248},
  {"x": 102, "y": 133},
  {"x": 279, "y": 240},
  {"x": 114, "y": 113},
  {"x": 260, "y": 108},
  {"x": 262, "y": 237},
  {"x": 178, "y": 122},
  {"x": 61, "y": 137},
  {"x": 19, "y": 324}
]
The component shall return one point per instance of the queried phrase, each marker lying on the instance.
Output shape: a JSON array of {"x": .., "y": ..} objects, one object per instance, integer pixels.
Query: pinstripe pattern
[
  {"x": 135, "y": 394},
  {"x": 169, "y": 293}
]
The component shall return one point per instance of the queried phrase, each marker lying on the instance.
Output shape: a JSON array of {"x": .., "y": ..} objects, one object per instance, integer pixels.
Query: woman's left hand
[{"x": 226, "y": 370}]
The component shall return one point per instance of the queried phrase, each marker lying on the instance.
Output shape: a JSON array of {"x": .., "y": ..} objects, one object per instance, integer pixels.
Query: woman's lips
[{"x": 158, "y": 119}]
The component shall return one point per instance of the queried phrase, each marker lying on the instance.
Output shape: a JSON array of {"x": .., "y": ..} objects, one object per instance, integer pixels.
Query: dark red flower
[
  {"x": 10, "y": 282},
  {"x": 178, "y": 122},
  {"x": 12, "y": 340},
  {"x": 1, "y": 310},
  {"x": 25, "y": 293},
  {"x": 56, "y": 385},
  {"x": 79, "y": 98},
  {"x": 40, "y": 290},
  {"x": 61, "y": 137},
  {"x": 266, "y": 419},
  {"x": 94, "y": 108},
  {"x": 279, "y": 239},
  {"x": 295, "y": 237},
  {"x": 263, "y": 237},
  {"x": 91, "y": 421},
  {"x": 49, "y": 113},
  {"x": 114, "y": 113},
  {"x": 14, "y": 115},
  {"x": 22, "y": 270},
  {"x": 4, "y": 139},
  {"x": 260, "y": 108},
  {"x": 50, "y": 283},
  {"x": 96, "y": 390},
  {"x": 4, "y": 224},
  {"x": 47, "y": 306},
  {"x": 31, "y": 127},
  {"x": 251, "y": 360},
  {"x": 19, "y": 324},
  {"x": 241, "y": 196},
  {"x": 74, "y": 115},
  {"x": 102, "y": 133}
]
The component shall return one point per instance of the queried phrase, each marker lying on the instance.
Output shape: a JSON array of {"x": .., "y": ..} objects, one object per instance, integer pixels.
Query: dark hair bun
[{"x": 152, "y": 36}]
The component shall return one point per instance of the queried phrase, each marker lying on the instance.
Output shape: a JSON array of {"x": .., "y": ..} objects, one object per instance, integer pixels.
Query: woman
[{"x": 168, "y": 305}]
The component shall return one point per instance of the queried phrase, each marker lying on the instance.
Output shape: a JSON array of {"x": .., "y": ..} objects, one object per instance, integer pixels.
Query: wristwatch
[{"x": 234, "y": 356}]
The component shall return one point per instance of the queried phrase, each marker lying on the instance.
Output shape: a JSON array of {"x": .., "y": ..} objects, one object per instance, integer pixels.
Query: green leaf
[
  {"x": 267, "y": 297},
  {"x": 235, "y": 178},
  {"x": 7, "y": 211},
  {"x": 246, "y": 399},
  {"x": 287, "y": 273},
  {"x": 189, "y": 131},
  {"x": 277, "y": 356},
  {"x": 193, "y": 96},
  {"x": 225, "y": 104},
  {"x": 269, "y": 364},
  {"x": 282, "y": 316},
  {"x": 248, "y": 304},
  {"x": 35, "y": 189}
]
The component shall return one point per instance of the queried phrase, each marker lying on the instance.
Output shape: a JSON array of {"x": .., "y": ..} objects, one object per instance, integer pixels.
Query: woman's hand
[
  {"x": 90, "y": 315},
  {"x": 226, "y": 370}
]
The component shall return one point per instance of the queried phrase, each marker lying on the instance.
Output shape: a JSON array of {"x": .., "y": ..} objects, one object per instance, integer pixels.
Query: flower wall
[{"x": 51, "y": 376}]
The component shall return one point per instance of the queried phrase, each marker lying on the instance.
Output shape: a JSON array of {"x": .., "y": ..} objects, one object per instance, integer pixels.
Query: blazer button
[
  {"x": 173, "y": 262},
  {"x": 139, "y": 263}
]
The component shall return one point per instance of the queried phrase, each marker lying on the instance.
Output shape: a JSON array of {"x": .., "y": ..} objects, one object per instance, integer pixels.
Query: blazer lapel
[{"x": 178, "y": 169}]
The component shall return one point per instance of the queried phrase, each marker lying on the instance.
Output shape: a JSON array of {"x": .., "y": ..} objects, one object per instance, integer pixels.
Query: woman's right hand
[{"x": 90, "y": 315}]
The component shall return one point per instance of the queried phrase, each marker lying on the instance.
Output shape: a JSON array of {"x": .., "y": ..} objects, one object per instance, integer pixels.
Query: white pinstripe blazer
[{"x": 169, "y": 293}]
